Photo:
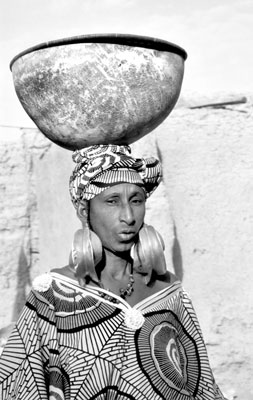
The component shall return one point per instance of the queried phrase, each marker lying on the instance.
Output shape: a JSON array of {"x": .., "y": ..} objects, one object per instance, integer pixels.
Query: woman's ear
[{"x": 83, "y": 212}]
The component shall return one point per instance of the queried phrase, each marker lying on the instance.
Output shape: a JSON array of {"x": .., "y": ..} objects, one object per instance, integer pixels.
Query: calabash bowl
[{"x": 99, "y": 89}]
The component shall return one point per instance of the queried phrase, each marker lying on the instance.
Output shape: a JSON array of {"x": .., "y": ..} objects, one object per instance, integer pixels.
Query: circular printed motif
[
  {"x": 165, "y": 349},
  {"x": 168, "y": 355}
]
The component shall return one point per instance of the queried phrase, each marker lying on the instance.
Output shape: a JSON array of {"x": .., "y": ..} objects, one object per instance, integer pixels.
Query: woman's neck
[{"x": 117, "y": 266}]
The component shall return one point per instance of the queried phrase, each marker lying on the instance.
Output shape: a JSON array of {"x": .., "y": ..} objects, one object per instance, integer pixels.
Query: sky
[{"x": 217, "y": 35}]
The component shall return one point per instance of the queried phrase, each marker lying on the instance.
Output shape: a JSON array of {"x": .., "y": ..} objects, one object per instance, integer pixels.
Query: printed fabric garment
[{"x": 86, "y": 343}]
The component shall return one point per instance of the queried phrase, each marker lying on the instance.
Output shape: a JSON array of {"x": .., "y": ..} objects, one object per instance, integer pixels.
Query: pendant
[
  {"x": 129, "y": 289},
  {"x": 134, "y": 319}
]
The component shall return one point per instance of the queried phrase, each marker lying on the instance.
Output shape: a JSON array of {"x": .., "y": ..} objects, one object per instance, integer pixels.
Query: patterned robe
[{"x": 86, "y": 343}]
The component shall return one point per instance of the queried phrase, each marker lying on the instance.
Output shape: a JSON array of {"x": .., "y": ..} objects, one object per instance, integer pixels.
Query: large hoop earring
[
  {"x": 86, "y": 253},
  {"x": 148, "y": 253},
  {"x": 86, "y": 250}
]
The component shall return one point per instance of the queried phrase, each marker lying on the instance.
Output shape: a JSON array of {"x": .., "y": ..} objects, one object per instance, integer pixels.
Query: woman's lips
[{"x": 127, "y": 235}]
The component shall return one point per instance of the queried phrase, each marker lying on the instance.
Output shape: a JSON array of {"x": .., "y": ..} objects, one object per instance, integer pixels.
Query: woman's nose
[{"x": 127, "y": 214}]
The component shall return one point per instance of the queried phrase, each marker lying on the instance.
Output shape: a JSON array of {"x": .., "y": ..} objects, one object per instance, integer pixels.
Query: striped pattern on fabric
[
  {"x": 69, "y": 344},
  {"x": 109, "y": 164}
]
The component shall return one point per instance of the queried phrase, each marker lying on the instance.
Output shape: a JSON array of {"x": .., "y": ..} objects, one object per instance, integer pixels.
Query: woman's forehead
[{"x": 121, "y": 189}]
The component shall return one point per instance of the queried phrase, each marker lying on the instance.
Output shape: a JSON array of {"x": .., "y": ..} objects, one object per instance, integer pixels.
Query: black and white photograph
[{"x": 126, "y": 200}]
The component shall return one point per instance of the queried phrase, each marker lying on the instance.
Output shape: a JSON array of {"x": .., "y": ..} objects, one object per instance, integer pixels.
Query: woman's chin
[{"x": 120, "y": 248}]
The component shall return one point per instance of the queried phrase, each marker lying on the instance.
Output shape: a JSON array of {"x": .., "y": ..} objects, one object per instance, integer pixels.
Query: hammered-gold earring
[
  {"x": 86, "y": 250},
  {"x": 148, "y": 253}
]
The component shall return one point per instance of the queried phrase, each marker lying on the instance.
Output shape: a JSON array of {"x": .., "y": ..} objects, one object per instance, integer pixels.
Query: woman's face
[{"x": 116, "y": 216}]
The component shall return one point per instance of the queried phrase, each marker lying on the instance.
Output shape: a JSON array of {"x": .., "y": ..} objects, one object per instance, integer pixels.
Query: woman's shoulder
[
  {"x": 43, "y": 283},
  {"x": 66, "y": 271},
  {"x": 166, "y": 279},
  {"x": 161, "y": 282}
]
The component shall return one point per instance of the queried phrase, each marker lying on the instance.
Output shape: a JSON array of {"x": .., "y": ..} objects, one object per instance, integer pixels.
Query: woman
[{"x": 113, "y": 324}]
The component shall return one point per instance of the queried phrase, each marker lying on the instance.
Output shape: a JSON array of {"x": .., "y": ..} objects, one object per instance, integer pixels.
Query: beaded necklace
[{"x": 128, "y": 290}]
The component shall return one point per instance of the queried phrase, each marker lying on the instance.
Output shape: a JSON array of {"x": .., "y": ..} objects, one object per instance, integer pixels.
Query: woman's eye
[
  {"x": 137, "y": 201},
  {"x": 111, "y": 201}
]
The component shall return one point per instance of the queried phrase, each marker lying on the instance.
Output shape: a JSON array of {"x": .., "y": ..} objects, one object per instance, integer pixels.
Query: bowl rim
[{"x": 112, "y": 38}]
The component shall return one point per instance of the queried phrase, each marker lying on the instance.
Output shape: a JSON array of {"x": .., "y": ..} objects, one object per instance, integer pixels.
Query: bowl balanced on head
[
  {"x": 113, "y": 323},
  {"x": 99, "y": 89}
]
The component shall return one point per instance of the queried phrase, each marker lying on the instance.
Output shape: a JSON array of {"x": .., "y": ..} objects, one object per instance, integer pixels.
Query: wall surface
[
  {"x": 207, "y": 157},
  {"x": 18, "y": 222},
  {"x": 203, "y": 209}
]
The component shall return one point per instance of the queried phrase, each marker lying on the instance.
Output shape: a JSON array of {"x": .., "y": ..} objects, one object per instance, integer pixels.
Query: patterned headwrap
[{"x": 99, "y": 167}]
